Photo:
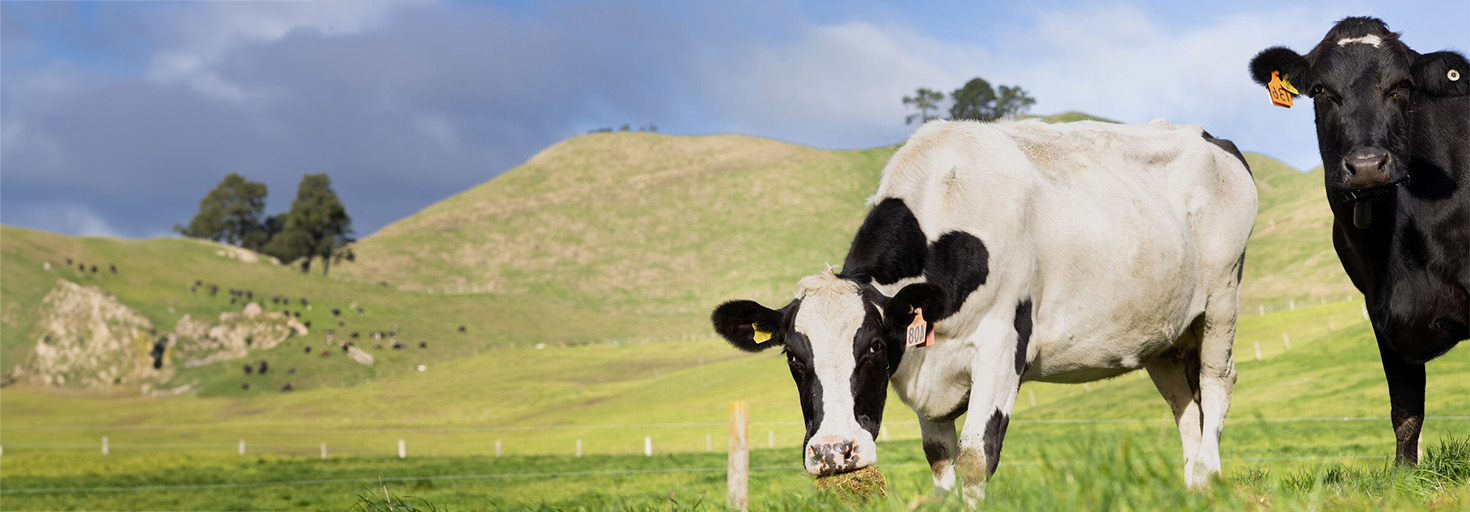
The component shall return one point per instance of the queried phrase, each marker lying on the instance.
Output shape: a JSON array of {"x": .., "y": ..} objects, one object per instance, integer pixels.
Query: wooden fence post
[
  {"x": 242, "y": 447},
  {"x": 647, "y": 446},
  {"x": 579, "y": 447},
  {"x": 104, "y": 445},
  {"x": 324, "y": 451},
  {"x": 497, "y": 448},
  {"x": 737, "y": 473},
  {"x": 402, "y": 453}
]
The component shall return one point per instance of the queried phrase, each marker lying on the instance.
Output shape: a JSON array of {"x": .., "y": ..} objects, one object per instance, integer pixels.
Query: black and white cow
[
  {"x": 1059, "y": 253},
  {"x": 1393, "y": 128}
]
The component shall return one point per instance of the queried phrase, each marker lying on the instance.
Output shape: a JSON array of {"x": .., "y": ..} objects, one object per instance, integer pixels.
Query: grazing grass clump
[{"x": 861, "y": 485}]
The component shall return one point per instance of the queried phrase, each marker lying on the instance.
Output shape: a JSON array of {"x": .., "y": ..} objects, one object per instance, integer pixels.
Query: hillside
[
  {"x": 154, "y": 291},
  {"x": 674, "y": 225}
]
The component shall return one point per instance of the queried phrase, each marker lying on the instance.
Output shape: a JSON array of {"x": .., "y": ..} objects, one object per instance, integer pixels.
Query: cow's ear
[
  {"x": 1288, "y": 64},
  {"x": 929, "y": 297},
  {"x": 1442, "y": 74},
  {"x": 748, "y": 325}
]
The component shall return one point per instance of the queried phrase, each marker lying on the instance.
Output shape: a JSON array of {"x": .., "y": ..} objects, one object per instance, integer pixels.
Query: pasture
[{"x": 1308, "y": 429}]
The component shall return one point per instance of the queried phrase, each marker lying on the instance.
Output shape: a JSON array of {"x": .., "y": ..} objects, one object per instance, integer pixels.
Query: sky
[{"x": 117, "y": 117}]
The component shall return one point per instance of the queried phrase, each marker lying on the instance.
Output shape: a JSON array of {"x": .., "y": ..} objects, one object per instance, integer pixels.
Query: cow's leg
[
  {"x": 995, "y": 377},
  {"x": 1216, "y": 381},
  {"x": 1176, "y": 375},
  {"x": 941, "y": 445},
  {"x": 1406, "y": 399}
]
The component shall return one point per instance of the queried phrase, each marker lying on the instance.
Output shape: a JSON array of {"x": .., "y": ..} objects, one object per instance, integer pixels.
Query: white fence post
[
  {"x": 709, "y": 444},
  {"x": 242, "y": 447},
  {"x": 647, "y": 446},
  {"x": 324, "y": 451},
  {"x": 1258, "y": 351},
  {"x": 497, "y": 448},
  {"x": 104, "y": 445},
  {"x": 579, "y": 447},
  {"x": 402, "y": 452},
  {"x": 770, "y": 439},
  {"x": 1292, "y": 304},
  {"x": 737, "y": 472},
  {"x": 1287, "y": 339}
]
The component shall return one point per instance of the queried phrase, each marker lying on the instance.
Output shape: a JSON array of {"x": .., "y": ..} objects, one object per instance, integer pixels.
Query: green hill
[{"x": 646, "y": 223}]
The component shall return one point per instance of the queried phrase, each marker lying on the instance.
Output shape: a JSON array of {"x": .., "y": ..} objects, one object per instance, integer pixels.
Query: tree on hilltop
[
  {"x": 317, "y": 226},
  {"x": 977, "y": 100},
  {"x": 230, "y": 213},
  {"x": 924, "y": 100}
]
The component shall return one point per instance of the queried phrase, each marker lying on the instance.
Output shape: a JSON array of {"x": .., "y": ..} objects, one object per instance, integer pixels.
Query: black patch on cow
[
  {"x": 960, "y": 263},
  {"x": 1023, "y": 334},
  {"x": 935, "y": 451},
  {"x": 798, "y": 350},
  {"x": 869, "y": 380},
  {"x": 1240, "y": 268},
  {"x": 888, "y": 247},
  {"x": 995, "y": 433},
  {"x": 1229, "y": 147}
]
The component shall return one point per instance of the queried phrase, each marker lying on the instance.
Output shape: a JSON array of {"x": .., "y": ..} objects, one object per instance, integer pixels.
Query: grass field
[{"x": 1316, "y": 411}]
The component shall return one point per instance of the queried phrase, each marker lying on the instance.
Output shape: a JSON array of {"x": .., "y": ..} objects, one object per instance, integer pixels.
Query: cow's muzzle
[
  {"x": 832, "y": 455},
  {"x": 1368, "y": 169}
]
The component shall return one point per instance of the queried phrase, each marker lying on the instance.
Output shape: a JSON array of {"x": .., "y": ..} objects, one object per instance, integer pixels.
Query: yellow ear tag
[
  {"x": 760, "y": 336},
  {"x": 1279, "y": 88}
]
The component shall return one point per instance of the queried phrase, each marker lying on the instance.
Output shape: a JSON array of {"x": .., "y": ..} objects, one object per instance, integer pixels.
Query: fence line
[
  {"x": 549, "y": 474},
  {"x": 349, "y": 430}
]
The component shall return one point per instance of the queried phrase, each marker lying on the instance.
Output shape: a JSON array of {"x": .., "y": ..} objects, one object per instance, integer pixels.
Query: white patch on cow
[
  {"x": 1369, "y": 39},
  {"x": 830, "y": 314}
]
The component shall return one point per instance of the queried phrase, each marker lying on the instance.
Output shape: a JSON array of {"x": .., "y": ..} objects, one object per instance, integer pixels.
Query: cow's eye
[
  {"x": 874, "y": 348},
  {"x": 795, "y": 364}
]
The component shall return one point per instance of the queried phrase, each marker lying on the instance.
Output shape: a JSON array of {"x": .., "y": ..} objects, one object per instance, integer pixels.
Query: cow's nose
[
  {"x": 833, "y": 454},
  {"x": 1366, "y": 168}
]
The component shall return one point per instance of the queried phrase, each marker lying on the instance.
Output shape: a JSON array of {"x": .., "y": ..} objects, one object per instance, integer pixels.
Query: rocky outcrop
[
  {"x": 88, "y": 339},
  {"x": 234, "y": 336}
]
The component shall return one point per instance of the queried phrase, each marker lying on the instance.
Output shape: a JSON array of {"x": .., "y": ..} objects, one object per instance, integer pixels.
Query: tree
[
  {"x": 924, "y": 100},
  {"x": 317, "y": 226},
  {"x": 230, "y": 213},
  {"x": 978, "y": 101}
]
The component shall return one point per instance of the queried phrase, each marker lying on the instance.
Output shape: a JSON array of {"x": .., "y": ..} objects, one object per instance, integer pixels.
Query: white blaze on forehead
[
  {"x": 1368, "y": 39},
  {"x": 830, "y": 314}
]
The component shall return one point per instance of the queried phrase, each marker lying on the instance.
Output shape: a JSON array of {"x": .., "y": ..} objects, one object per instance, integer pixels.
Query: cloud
[{"x": 407, "y": 102}]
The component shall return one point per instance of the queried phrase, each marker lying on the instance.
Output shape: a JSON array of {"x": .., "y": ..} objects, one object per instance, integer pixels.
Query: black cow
[
  {"x": 113, "y": 268},
  {"x": 1393, "y": 128}
]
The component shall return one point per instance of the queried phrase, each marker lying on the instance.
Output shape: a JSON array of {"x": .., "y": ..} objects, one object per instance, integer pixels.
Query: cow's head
[
  {"x": 842, "y": 340},
  {"x": 1363, "y": 82}
]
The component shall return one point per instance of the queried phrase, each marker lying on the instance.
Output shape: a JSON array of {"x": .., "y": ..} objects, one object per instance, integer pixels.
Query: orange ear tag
[
  {"x": 918, "y": 332},
  {"x": 1280, "y": 89}
]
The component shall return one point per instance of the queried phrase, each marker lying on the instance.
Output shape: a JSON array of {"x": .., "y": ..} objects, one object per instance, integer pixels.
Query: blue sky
[{"x": 116, "y": 117}]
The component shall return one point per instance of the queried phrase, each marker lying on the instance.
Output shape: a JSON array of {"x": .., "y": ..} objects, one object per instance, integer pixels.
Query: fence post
[
  {"x": 579, "y": 447},
  {"x": 709, "y": 444},
  {"x": 497, "y": 448},
  {"x": 770, "y": 439},
  {"x": 647, "y": 446},
  {"x": 242, "y": 447},
  {"x": 324, "y": 451},
  {"x": 1287, "y": 339},
  {"x": 737, "y": 471},
  {"x": 104, "y": 445},
  {"x": 1258, "y": 351},
  {"x": 402, "y": 453}
]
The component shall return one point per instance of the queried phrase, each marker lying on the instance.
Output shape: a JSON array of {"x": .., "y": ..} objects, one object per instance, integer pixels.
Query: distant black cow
[
  {"x": 248, "y": 369},
  {"x": 113, "y": 268},
  {"x": 397, "y": 346},
  {"x": 81, "y": 267},
  {"x": 306, "y": 324},
  {"x": 245, "y": 386},
  {"x": 423, "y": 344},
  {"x": 94, "y": 269},
  {"x": 354, "y": 335},
  {"x": 287, "y": 388},
  {"x": 68, "y": 261},
  {"x": 361, "y": 310},
  {"x": 157, "y": 353},
  {"x": 303, "y": 302},
  {"x": 336, "y": 312},
  {"x": 263, "y": 368},
  {"x": 461, "y": 329},
  {"x": 1393, "y": 128},
  {"x": 308, "y": 349}
]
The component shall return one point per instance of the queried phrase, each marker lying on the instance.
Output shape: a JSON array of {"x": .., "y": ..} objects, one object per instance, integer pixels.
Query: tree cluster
[
  {"x": 976, "y": 100},
  {"x": 316, "y": 227}
]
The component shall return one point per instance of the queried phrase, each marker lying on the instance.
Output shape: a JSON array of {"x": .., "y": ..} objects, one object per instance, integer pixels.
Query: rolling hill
[{"x": 646, "y": 223}]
